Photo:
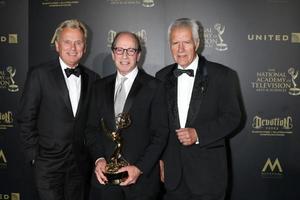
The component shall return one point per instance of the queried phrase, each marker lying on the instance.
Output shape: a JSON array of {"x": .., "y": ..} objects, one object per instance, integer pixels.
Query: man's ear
[{"x": 138, "y": 56}]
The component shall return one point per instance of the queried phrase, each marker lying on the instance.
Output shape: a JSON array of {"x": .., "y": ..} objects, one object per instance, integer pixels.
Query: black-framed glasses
[{"x": 120, "y": 51}]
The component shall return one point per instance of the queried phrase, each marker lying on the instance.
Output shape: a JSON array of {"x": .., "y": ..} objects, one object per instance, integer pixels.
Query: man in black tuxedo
[
  {"x": 52, "y": 117},
  {"x": 143, "y": 140},
  {"x": 203, "y": 110}
]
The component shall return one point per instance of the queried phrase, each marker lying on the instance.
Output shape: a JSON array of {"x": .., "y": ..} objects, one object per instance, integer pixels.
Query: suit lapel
[
  {"x": 83, "y": 91},
  {"x": 109, "y": 99},
  {"x": 135, "y": 88},
  {"x": 60, "y": 82},
  {"x": 109, "y": 95},
  {"x": 199, "y": 89},
  {"x": 171, "y": 87}
]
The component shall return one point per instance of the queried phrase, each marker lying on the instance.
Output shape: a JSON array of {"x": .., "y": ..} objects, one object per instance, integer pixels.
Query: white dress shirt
[
  {"x": 73, "y": 85},
  {"x": 185, "y": 85},
  {"x": 128, "y": 83}
]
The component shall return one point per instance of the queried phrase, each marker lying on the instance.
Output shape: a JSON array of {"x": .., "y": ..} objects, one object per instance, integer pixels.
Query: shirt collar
[
  {"x": 192, "y": 66},
  {"x": 63, "y": 64},
  {"x": 130, "y": 76}
]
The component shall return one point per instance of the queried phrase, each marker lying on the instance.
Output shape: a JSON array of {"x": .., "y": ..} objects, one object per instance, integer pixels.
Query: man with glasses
[{"x": 144, "y": 139}]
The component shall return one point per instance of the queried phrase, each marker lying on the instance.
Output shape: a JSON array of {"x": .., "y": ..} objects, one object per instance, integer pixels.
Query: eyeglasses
[{"x": 120, "y": 51}]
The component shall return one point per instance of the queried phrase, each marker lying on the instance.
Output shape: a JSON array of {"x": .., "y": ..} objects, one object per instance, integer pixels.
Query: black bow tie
[
  {"x": 178, "y": 72},
  {"x": 76, "y": 71}
]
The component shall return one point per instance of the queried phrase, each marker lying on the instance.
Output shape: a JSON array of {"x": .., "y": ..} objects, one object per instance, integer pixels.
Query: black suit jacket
[
  {"x": 144, "y": 139},
  {"x": 214, "y": 112},
  {"x": 50, "y": 132}
]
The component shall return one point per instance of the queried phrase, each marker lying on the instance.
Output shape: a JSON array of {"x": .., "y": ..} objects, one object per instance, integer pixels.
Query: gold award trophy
[
  {"x": 12, "y": 72},
  {"x": 116, "y": 161}
]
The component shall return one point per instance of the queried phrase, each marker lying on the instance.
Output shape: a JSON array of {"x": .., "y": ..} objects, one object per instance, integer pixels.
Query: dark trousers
[
  {"x": 182, "y": 192},
  {"x": 68, "y": 184},
  {"x": 113, "y": 192}
]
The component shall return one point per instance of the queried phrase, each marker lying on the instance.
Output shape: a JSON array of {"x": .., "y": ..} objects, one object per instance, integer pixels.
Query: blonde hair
[{"x": 71, "y": 23}]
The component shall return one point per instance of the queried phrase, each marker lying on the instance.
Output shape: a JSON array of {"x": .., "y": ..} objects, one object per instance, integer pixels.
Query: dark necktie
[
  {"x": 178, "y": 72},
  {"x": 76, "y": 71}
]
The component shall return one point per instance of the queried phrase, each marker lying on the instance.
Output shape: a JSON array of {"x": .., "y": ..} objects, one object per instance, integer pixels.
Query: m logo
[{"x": 272, "y": 168}]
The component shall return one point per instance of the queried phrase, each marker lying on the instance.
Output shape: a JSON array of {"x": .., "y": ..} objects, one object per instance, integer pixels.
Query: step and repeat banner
[
  {"x": 14, "y": 184},
  {"x": 260, "y": 39}
]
